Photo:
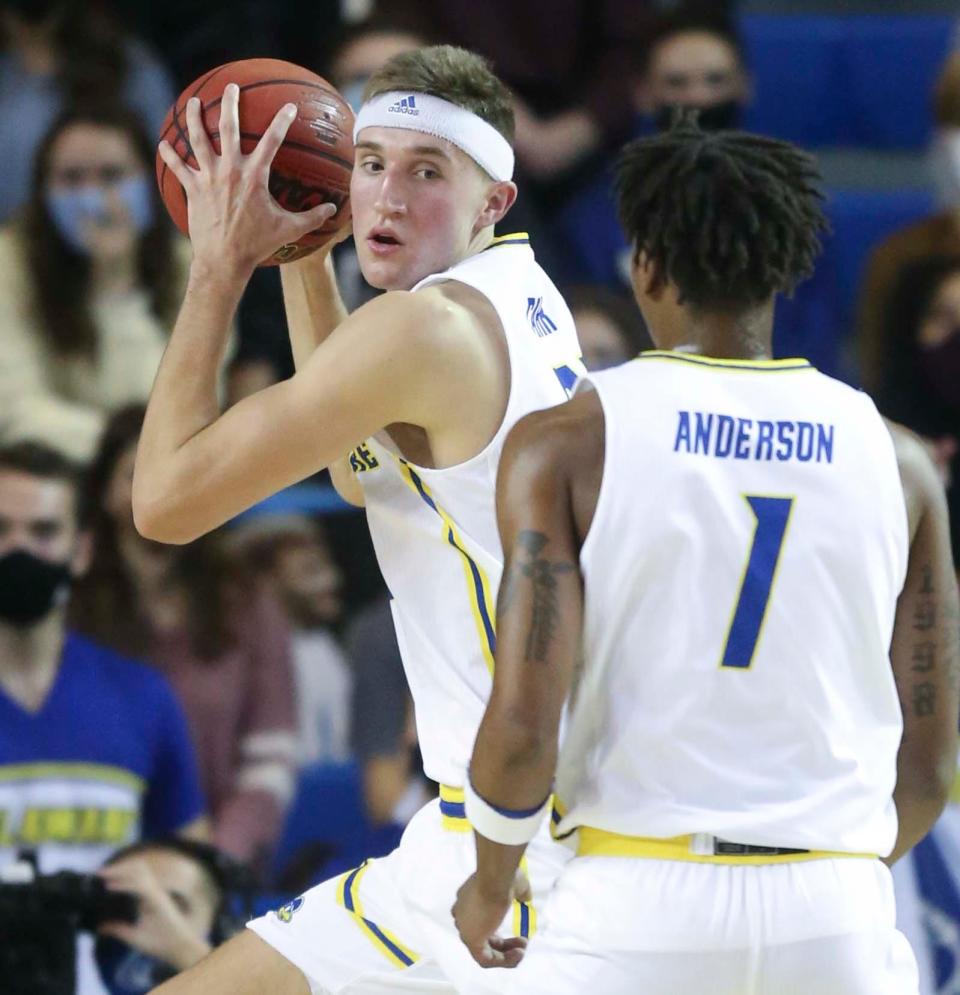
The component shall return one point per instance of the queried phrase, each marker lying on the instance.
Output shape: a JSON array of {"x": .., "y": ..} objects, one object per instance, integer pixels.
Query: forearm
[
  {"x": 184, "y": 397},
  {"x": 512, "y": 769},
  {"x": 312, "y": 302},
  {"x": 917, "y": 811}
]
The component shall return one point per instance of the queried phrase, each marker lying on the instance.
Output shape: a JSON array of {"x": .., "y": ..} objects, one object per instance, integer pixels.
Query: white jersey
[
  {"x": 435, "y": 531},
  {"x": 741, "y": 575}
]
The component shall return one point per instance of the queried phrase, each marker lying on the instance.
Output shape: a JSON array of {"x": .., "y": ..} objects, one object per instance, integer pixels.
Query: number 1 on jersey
[{"x": 772, "y": 515}]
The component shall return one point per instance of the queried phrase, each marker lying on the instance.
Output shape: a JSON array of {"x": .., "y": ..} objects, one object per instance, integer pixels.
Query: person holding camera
[
  {"x": 94, "y": 748},
  {"x": 181, "y": 891}
]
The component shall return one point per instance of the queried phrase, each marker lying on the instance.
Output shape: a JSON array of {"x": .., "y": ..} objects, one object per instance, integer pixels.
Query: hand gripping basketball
[{"x": 233, "y": 219}]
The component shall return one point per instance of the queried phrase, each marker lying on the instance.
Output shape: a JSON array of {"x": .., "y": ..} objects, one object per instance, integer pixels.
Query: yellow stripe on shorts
[{"x": 348, "y": 895}]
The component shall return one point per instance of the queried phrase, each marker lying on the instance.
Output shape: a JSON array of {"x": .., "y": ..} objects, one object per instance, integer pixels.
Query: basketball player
[
  {"x": 408, "y": 401},
  {"x": 713, "y": 558}
]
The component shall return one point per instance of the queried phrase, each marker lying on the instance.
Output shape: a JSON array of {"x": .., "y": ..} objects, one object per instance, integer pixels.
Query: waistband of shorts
[
  {"x": 697, "y": 848},
  {"x": 453, "y": 814}
]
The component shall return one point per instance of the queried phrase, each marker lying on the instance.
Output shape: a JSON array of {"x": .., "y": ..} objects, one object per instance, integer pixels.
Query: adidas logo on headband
[
  {"x": 433, "y": 115},
  {"x": 406, "y": 105}
]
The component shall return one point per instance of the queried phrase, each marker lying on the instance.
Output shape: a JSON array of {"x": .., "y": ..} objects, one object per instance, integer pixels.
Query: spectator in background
[
  {"x": 383, "y": 732},
  {"x": 289, "y": 555},
  {"x": 94, "y": 749},
  {"x": 90, "y": 281},
  {"x": 609, "y": 326},
  {"x": 693, "y": 61},
  {"x": 225, "y": 648},
  {"x": 62, "y": 53},
  {"x": 918, "y": 381},
  {"x": 938, "y": 235},
  {"x": 183, "y": 890}
]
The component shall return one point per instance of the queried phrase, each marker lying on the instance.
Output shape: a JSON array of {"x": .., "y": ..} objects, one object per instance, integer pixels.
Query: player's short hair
[
  {"x": 36, "y": 459},
  {"x": 727, "y": 217},
  {"x": 464, "y": 78}
]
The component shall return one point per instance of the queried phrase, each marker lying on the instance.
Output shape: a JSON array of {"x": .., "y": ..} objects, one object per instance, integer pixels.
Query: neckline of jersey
[
  {"x": 794, "y": 363},
  {"x": 514, "y": 238}
]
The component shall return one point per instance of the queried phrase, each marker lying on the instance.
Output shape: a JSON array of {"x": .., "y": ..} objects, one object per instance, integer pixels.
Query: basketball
[{"x": 313, "y": 164}]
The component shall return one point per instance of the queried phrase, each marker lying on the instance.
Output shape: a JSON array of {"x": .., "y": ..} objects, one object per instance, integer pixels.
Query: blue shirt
[{"x": 105, "y": 760}]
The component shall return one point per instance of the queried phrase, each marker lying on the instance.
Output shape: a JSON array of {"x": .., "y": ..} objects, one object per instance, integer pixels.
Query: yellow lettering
[{"x": 61, "y": 825}]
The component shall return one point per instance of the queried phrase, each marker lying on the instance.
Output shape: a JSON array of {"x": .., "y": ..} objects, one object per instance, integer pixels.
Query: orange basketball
[{"x": 313, "y": 164}]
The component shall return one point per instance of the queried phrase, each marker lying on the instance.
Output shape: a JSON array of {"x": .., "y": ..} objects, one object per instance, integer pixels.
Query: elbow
[{"x": 155, "y": 518}]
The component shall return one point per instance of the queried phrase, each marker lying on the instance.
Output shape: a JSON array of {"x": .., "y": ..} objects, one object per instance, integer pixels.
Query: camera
[{"x": 40, "y": 916}]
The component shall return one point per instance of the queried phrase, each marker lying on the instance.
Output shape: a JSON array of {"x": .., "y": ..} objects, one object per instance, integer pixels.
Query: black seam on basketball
[
  {"x": 200, "y": 85},
  {"x": 290, "y": 144}
]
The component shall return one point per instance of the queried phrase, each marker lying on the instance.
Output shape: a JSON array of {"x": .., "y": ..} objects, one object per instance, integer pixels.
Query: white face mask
[{"x": 945, "y": 166}]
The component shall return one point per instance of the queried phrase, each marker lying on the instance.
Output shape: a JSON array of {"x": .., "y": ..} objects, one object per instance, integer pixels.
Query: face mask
[
  {"x": 31, "y": 587},
  {"x": 74, "y": 211},
  {"x": 945, "y": 166},
  {"x": 125, "y": 971},
  {"x": 940, "y": 367},
  {"x": 715, "y": 117},
  {"x": 352, "y": 92}
]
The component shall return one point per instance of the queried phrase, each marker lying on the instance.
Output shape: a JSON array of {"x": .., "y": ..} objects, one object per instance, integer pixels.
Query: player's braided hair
[{"x": 728, "y": 218}]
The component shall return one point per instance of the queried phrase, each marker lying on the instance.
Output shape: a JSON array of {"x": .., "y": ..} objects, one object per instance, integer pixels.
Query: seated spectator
[
  {"x": 183, "y": 891},
  {"x": 918, "y": 381},
  {"x": 938, "y": 235},
  {"x": 94, "y": 748},
  {"x": 63, "y": 53},
  {"x": 609, "y": 326},
  {"x": 383, "y": 732},
  {"x": 290, "y": 556},
  {"x": 225, "y": 649},
  {"x": 693, "y": 62},
  {"x": 90, "y": 282}
]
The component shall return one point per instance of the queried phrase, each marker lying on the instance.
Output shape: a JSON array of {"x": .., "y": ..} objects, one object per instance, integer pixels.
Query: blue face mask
[{"x": 73, "y": 211}]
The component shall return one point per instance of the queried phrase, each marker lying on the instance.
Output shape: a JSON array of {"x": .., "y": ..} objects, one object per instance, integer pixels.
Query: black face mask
[
  {"x": 30, "y": 587},
  {"x": 715, "y": 117}
]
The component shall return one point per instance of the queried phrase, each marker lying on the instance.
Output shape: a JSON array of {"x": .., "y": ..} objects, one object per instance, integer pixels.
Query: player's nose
[{"x": 390, "y": 200}]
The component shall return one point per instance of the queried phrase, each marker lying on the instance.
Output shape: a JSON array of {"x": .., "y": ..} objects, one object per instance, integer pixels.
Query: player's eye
[
  {"x": 371, "y": 165},
  {"x": 428, "y": 172}
]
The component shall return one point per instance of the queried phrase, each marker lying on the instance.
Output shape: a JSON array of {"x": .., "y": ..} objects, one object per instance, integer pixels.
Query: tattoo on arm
[{"x": 528, "y": 563}]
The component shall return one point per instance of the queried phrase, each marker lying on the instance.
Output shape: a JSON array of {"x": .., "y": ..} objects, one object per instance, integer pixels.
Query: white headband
[{"x": 436, "y": 116}]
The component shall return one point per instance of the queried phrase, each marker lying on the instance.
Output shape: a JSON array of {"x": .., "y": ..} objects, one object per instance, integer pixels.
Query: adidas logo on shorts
[{"x": 406, "y": 105}]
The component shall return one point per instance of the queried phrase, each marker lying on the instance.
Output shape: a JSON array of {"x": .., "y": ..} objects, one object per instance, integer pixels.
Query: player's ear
[
  {"x": 501, "y": 196},
  {"x": 645, "y": 277}
]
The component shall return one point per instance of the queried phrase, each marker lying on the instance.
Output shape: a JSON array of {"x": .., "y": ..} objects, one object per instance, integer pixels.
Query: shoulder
[
  {"x": 98, "y": 664},
  {"x": 434, "y": 322},
  {"x": 13, "y": 257},
  {"x": 548, "y": 446},
  {"x": 923, "y": 488},
  {"x": 916, "y": 239}
]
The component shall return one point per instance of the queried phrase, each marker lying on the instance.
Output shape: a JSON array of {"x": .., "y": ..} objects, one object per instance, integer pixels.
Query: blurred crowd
[{"x": 204, "y": 691}]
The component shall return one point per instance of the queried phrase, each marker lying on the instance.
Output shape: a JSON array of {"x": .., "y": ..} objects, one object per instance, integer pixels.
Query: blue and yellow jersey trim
[
  {"x": 348, "y": 895},
  {"x": 514, "y": 238},
  {"x": 453, "y": 817},
  {"x": 478, "y": 584},
  {"x": 752, "y": 365},
  {"x": 600, "y": 843},
  {"x": 453, "y": 812},
  {"x": 73, "y": 771}
]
